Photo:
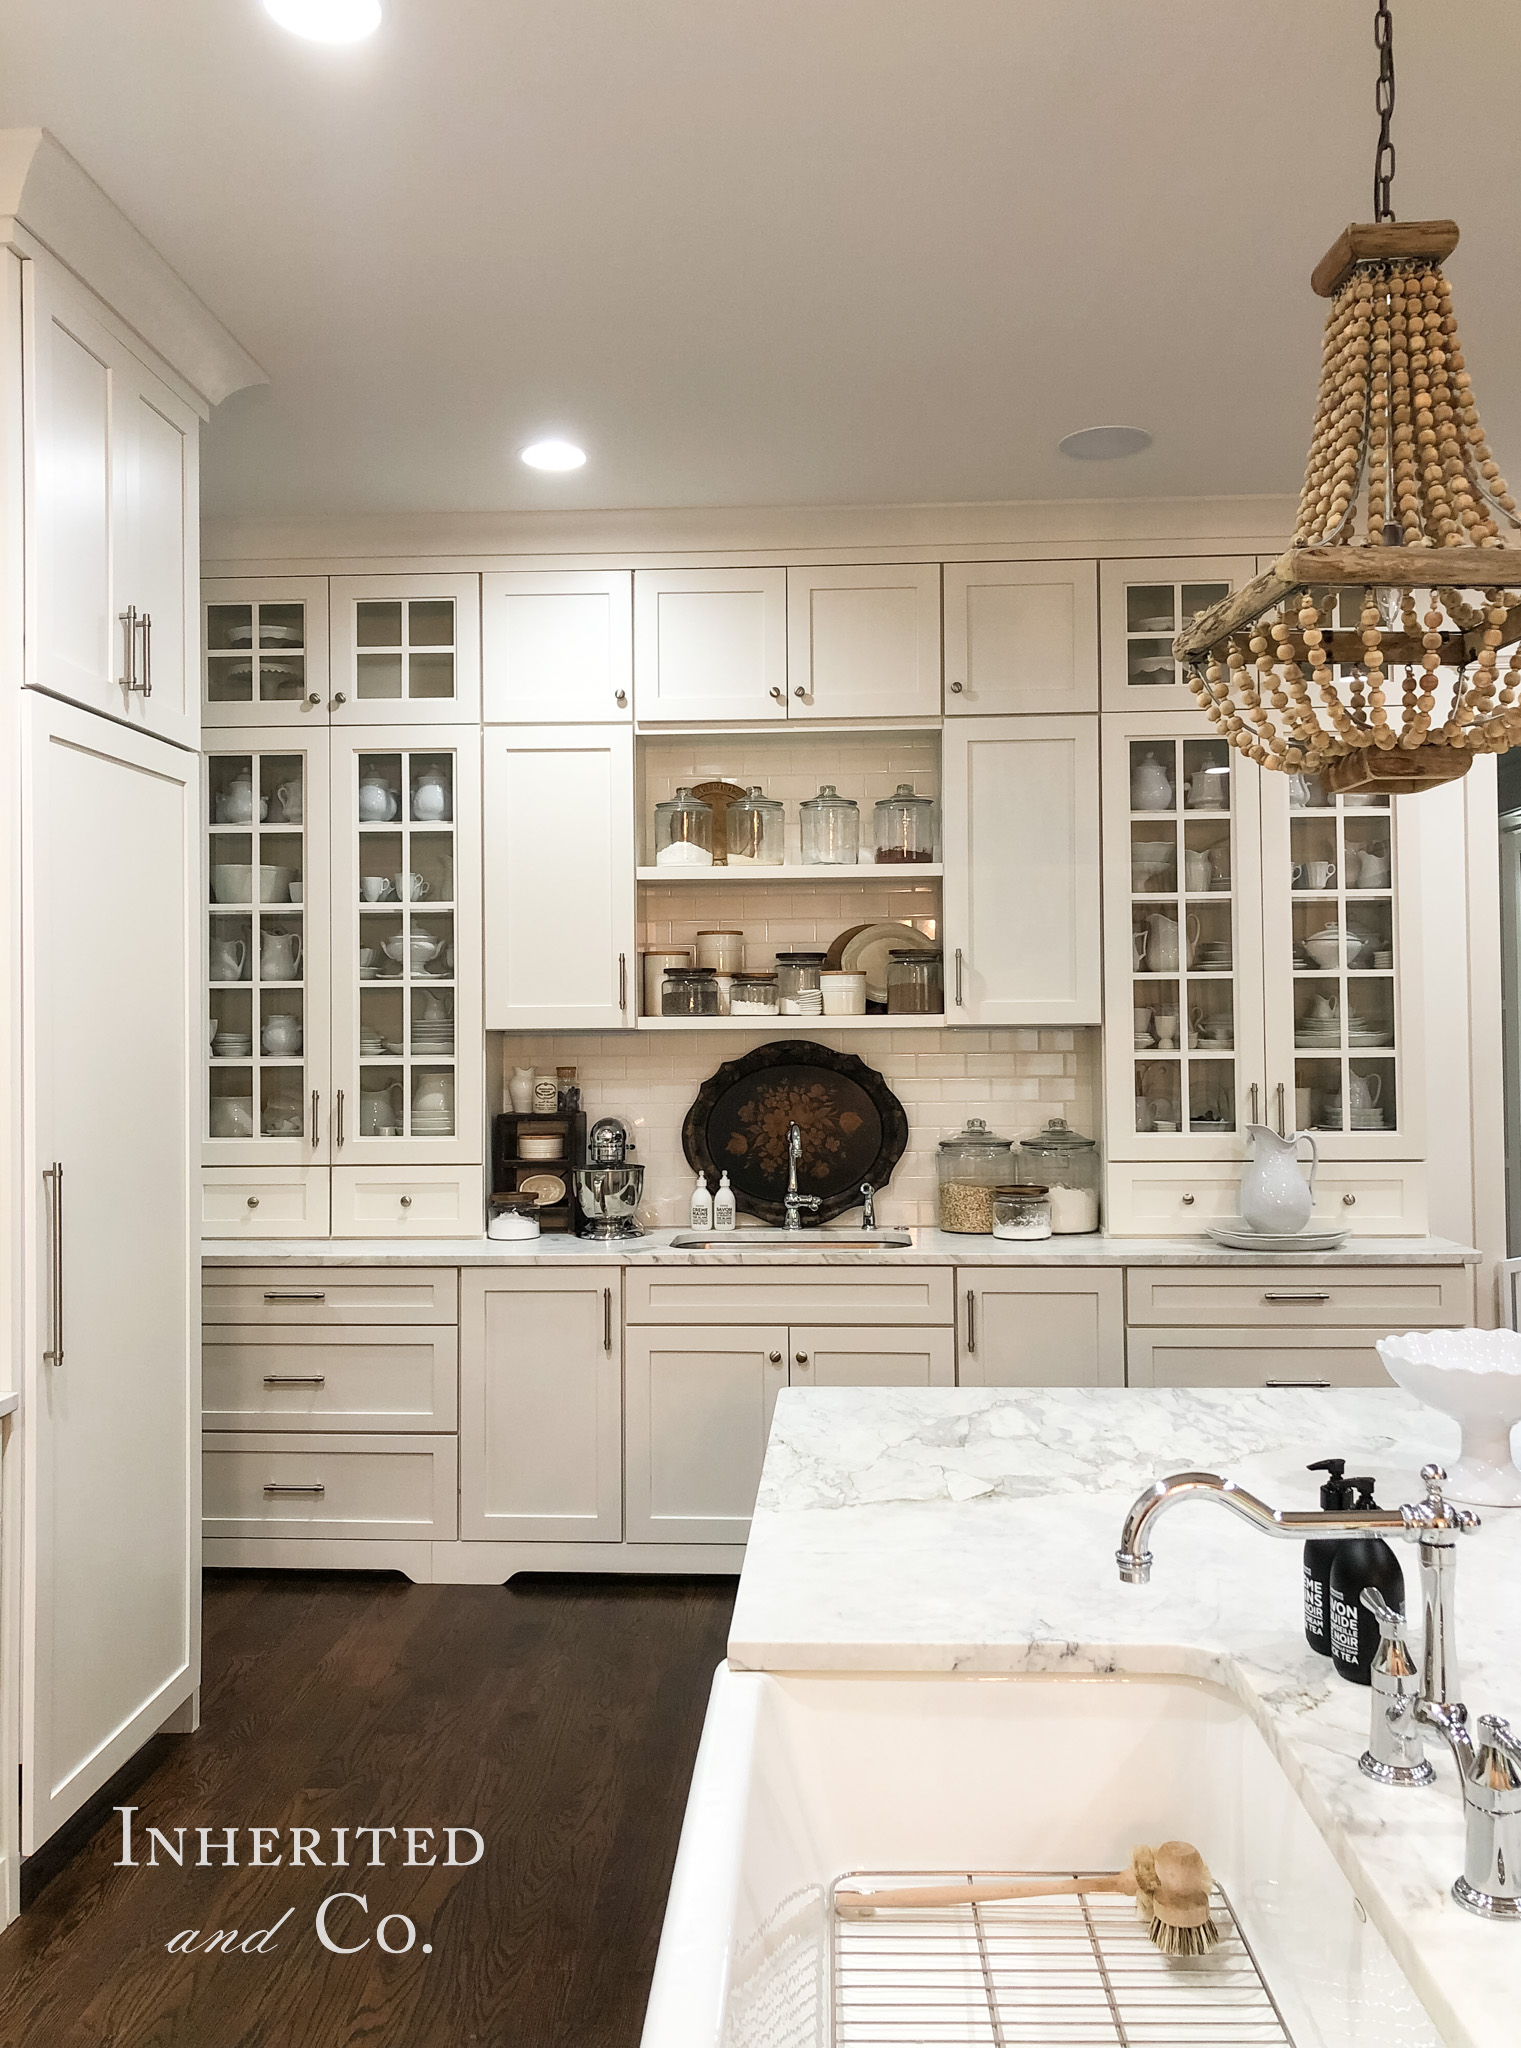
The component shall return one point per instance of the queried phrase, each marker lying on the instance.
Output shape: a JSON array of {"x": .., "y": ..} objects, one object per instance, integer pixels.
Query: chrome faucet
[
  {"x": 1489, "y": 1772},
  {"x": 868, "y": 1206},
  {"x": 1433, "y": 1523},
  {"x": 793, "y": 1203}
]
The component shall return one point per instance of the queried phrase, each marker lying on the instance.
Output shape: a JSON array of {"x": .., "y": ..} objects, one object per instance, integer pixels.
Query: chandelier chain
[{"x": 1383, "y": 101}]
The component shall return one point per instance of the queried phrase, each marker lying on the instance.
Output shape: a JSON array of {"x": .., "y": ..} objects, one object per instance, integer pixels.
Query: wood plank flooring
[{"x": 559, "y": 1717}]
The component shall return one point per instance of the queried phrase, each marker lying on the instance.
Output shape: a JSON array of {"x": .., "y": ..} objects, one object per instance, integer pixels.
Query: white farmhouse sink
[{"x": 802, "y": 1779}]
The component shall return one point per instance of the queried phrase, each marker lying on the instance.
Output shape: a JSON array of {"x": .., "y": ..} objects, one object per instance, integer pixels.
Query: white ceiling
[{"x": 759, "y": 252}]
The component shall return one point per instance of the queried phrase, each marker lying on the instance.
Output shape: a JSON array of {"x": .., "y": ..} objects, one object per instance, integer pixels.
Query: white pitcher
[
  {"x": 1275, "y": 1195},
  {"x": 1162, "y": 941},
  {"x": 280, "y": 957}
]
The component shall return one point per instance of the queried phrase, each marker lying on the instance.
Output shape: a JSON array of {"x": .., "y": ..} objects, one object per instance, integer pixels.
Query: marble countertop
[
  {"x": 930, "y": 1247},
  {"x": 9, "y": 1403},
  {"x": 974, "y": 1531}
]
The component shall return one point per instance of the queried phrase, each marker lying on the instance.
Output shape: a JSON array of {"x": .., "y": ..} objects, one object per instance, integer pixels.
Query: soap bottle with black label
[
  {"x": 1319, "y": 1556},
  {"x": 1361, "y": 1561}
]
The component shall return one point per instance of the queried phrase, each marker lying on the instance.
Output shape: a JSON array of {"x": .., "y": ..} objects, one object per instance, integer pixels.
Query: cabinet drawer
[
  {"x": 264, "y": 1201},
  {"x": 398, "y": 1486},
  {"x": 1375, "y": 1298},
  {"x": 1176, "y": 1199},
  {"x": 408, "y": 1201},
  {"x": 402, "y": 1379},
  {"x": 329, "y": 1295},
  {"x": 915, "y": 1295},
  {"x": 1253, "y": 1358}
]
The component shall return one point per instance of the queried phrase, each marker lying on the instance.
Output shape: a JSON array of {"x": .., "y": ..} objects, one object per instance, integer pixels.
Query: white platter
[{"x": 1237, "y": 1235}]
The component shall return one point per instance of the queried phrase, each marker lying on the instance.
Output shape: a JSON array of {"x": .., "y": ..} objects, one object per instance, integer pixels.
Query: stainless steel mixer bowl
[{"x": 609, "y": 1194}]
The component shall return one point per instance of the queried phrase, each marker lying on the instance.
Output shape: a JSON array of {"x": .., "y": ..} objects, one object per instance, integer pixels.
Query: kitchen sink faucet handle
[{"x": 1396, "y": 1754}]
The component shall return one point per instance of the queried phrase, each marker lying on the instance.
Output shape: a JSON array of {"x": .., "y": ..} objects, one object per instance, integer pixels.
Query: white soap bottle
[
  {"x": 723, "y": 1205},
  {"x": 702, "y": 1205}
]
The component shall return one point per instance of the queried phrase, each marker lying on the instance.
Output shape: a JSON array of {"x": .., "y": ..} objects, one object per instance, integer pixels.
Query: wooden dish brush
[{"x": 1170, "y": 1885}]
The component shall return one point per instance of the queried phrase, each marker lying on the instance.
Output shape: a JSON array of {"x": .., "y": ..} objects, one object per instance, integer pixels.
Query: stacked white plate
[
  {"x": 433, "y": 1038},
  {"x": 1238, "y": 1236},
  {"x": 270, "y": 635},
  {"x": 233, "y": 1045},
  {"x": 1318, "y": 1034},
  {"x": 1214, "y": 956},
  {"x": 432, "y": 1124}
]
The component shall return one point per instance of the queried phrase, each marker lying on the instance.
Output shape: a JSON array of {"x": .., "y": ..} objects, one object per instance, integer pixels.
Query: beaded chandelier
[{"x": 1369, "y": 654}]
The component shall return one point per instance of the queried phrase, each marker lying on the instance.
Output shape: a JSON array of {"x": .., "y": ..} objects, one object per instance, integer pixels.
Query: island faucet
[{"x": 793, "y": 1204}]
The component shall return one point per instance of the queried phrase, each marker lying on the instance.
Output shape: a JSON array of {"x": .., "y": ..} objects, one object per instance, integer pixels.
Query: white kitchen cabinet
[
  {"x": 560, "y": 950},
  {"x": 268, "y": 1081},
  {"x": 541, "y": 1387},
  {"x": 113, "y": 519},
  {"x": 1020, "y": 636},
  {"x": 408, "y": 1201},
  {"x": 287, "y": 1486},
  {"x": 1254, "y": 1358},
  {"x": 406, "y": 947},
  {"x": 1041, "y": 1326},
  {"x": 1142, "y": 608},
  {"x": 710, "y": 645},
  {"x": 405, "y": 650},
  {"x": 111, "y": 1394},
  {"x": 826, "y": 1356},
  {"x": 1022, "y": 925},
  {"x": 1166, "y": 1198},
  {"x": 557, "y": 647},
  {"x": 864, "y": 641},
  {"x": 265, "y": 1201},
  {"x": 697, "y": 1416},
  {"x": 264, "y": 658},
  {"x": 314, "y": 1379}
]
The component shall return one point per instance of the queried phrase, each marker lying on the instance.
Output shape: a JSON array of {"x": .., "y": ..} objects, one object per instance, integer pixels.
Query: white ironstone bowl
[{"x": 1475, "y": 1377}]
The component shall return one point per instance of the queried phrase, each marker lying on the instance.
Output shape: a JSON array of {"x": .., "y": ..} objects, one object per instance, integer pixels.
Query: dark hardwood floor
[{"x": 558, "y": 1717}]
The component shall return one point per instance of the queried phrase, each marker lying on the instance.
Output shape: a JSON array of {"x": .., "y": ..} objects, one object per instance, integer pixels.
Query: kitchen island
[{"x": 972, "y": 1533}]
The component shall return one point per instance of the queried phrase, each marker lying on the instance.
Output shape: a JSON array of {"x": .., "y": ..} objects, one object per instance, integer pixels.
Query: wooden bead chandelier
[{"x": 1370, "y": 653}]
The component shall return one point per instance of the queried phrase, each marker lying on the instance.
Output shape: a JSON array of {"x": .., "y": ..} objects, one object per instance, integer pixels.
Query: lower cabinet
[
  {"x": 393, "y": 1488},
  {"x": 827, "y": 1357},
  {"x": 541, "y": 1433},
  {"x": 1255, "y": 1358},
  {"x": 265, "y": 1201},
  {"x": 1041, "y": 1326},
  {"x": 698, "y": 1412}
]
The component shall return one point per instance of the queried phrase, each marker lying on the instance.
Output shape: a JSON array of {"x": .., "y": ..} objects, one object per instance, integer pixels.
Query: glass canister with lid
[
  {"x": 1022, "y": 1211},
  {"x": 904, "y": 826},
  {"x": 684, "y": 832},
  {"x": 831, "y": 828},
  {"x": 1067, "y": 1164},
  {"x": 915, "y": 984},
  {"x": 689, "y": 992},
  {"x": 799, "y": 990},
  {"x": 969, "y": 1167},
  {"x": 757, "y": 831}
]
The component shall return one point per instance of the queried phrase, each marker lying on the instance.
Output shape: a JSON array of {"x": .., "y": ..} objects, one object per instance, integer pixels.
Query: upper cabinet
[
  {"x": 1143, "y": 605},
  {"x": 710, "y": 645},
  {"x": 557, "y": 648},
  {"x": 264, "y": 659},
  {"x": 406, "y": 650},
  {"x": 115, "y": 519},
  {"x": 1021, "y": 636},
  {"x": 864, "y": 642}
]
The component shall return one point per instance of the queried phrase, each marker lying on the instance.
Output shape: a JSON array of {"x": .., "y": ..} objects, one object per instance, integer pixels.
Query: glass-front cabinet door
[
  {"x": 1343, "y": 977},
  {"x": 406, "y": 650},
  {"x": 407, "y": 1032},
  {"x": 1183, "y": 986},
  {"x": 267, "y": 1037},
  {"x": 1142, "y": 606},
  {"x": 264, "y": 651}
]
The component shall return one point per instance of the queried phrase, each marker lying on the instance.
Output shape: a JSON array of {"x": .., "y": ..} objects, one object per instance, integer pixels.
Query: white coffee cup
[
  {"x": 1197, "y": 871},
  {"x": 1166, "y": 1022},
  {"x": 410, "y": 888},
  {"x": 231, "y": 1116},
  {"x": 374, "y": 888},
  {"x": 295, "y": 891}
]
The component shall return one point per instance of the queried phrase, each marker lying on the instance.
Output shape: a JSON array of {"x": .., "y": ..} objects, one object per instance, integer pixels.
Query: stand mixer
[{"x": 608, "y": 1188}]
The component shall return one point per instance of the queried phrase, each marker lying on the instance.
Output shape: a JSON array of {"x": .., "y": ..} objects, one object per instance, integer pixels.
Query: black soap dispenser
[
  {"x": 1319, "y": 1556},
  {"x": 1361, "y": 1561}
]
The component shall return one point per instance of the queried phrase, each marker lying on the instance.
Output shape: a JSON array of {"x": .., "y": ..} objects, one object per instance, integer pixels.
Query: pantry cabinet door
[
  {"x": 699, "y": 1404},
  {"x": 157, "y": 438},
  {"x": 1041, "y": 1327},
  {"x": 710, "y": 645},
  {"x": 864, "y": 642},
  {"x": 559, "y": 920},
  {"x": 541, "y": 1424},
  {"x": 1020, "y": 636},
  {"x": 556, "y": 647},
  {"x": 1022, "y": 871},
  {"x": 829, "y": 1357}
]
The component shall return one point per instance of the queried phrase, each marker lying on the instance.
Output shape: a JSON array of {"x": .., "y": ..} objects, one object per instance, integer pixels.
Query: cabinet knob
[
  {"x": 315, "y": 697},
  {"x": 620, "y": 698},
  {"x": 337, "y": 699},
  {"x": 800, "y": 1358},
  {"x": 406, "y": 1201},
  {"x": 1349, "y": 1201},
  {"x": 956, "y": 689},
  {"x": 253, "y": 1201},
  {"x": 778, "y": 693},
  {"x": 1188, "y": 1201},
  {"x": 800, "y": 691},
  {"x": 775, "y": 1357}
]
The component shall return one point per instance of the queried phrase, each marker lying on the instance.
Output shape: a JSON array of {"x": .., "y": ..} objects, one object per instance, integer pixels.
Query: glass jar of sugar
[
  {"x": 752, "y": 995},
  {"x": 1022, "y": 1211}
]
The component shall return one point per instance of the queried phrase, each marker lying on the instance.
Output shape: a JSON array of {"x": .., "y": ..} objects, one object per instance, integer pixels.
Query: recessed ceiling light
[
  {"x": 1104, "y": 444},
  {"x": 327, "y": 21},
  {"x": 553, "y": 455}
]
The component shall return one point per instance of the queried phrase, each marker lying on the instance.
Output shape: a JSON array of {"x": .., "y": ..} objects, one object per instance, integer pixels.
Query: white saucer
[{"x": 1238, "y": 1236}]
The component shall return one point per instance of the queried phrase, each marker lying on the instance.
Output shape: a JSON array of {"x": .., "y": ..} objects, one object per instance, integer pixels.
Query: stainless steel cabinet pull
[
  {"x": 800, "y": 691},
  {"x": 1321, "y": 1385},
  {"x": 620, "y": 698},
  {"x": 800, "y": 1357},
  {"x": 295, "y": 1379},
  {"x": 960, "y": 997},
  {"x": 296, "y": 1294},
  {"x": 316, "y": 1099},
  {"x": 1188, "y": 1201},
  {"x": 956, "y": 687},
  {"x": 607, "y": 1319},
  {"x": 253, "y": 1201},
  {"x": 1282, "y": 1127},
  {"x": 623, "y": 981},
  {"x": 339, "y": 1113},
  {"x": 1309, "y": 1296},
  {"x": 778, "y": 693},
  {"x": 775, "y": 1357},
  {"x": 406, "y": 1201},
  {"x": 146, "y": 685},
  {"x": 1252, "y": 1093},
  {"x": 1349, "y": 1201},
  {"x": 128, "y": 623},
  {"x": 337, "y": 698},
  {"x": 971, "y": 1319},
  {"x": 274, "y": 1486},
  {"x": 54, "y": 1173},
  {"x": 314, "y": 698}
]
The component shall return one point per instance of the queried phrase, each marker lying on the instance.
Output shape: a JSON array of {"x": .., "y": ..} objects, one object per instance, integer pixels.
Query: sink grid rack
[{"x": 1075, "y": 1972}]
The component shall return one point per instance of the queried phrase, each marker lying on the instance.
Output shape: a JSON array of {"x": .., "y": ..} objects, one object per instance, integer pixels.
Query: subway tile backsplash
[{"x": 1015, "y": 1079}]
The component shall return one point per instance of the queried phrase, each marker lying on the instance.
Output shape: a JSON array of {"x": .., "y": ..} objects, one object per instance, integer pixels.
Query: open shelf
[
  {"x": 939, "y": 1022},
  {"x": 863, "y": 871}
]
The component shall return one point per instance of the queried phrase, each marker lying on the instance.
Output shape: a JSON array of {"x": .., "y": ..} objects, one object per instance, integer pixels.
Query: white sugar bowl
[{"x": 1475, "y": 1377}]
